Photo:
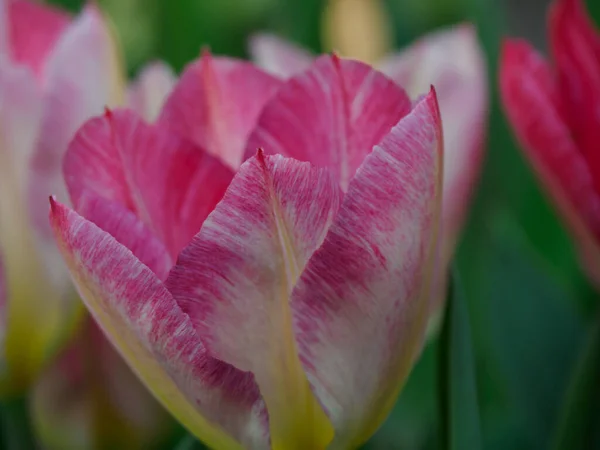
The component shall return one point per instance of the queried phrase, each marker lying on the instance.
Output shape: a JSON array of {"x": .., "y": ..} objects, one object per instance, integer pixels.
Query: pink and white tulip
[
  {"x": 282, "y": 307},
  {"x": 55, "y": 72},
  {"x": 453, "y": 62},
  {"x": 149, "y": 91}
]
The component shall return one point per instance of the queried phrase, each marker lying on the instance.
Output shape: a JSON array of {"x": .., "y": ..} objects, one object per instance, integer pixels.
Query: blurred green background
[{"x": 529, "y": 303}]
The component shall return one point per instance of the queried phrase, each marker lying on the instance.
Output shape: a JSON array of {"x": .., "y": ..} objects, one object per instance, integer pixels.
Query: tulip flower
[
  {"x": 553, "y": 111},
  {"x": 55, "y": 73},
  {"x": 148, "y": 93},
  {"x": 282, "y": 307},
  {"x": 453, "y": 62},
  {"x": 89, "y": 398}
]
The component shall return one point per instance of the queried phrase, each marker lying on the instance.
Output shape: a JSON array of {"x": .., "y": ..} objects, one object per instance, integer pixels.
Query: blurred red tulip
[{"x": 554, "y": 110}]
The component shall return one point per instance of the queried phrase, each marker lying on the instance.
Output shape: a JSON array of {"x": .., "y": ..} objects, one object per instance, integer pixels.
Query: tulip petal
[
  {"x": 444, "y": 58},
  {"x": 463, "y": 106},
  {"x": 331, "y": 115},
  {"x": 21, "y": 110},
  {"x": 576, "y": 49},
  {"x": 34, "y": 30},
  {"x": 171, "y": 184},
  {"x": 4, "y": 31},
  {"x": 39, "y": 305},
  {"x": 361, "y": 306},
  {"x": 128, "y": 230},
  {"x": 277, "y": 56},
  {"x": 216, "y": 104},
  {"x": 150, "y": 90},
  {"x": 81, "y": 79},
  {"x": 216, "y": 402},
  {"x": 583, "y": 18},
  {"x": 56, "y": 403},
  {"x": 235, "y": 279},
  {"x": 531, "y": 103},
  {"x": 452, "y": 60}
]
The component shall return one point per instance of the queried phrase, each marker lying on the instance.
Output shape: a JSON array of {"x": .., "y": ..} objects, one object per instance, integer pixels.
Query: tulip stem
[
  {"x": 17, "y": 433},
  {"x": 576, "y": 420}
]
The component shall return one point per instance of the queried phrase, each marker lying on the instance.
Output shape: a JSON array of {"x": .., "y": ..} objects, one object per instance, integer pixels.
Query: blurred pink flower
[
  {"x": 54, "y": 73},
  {"x": 89, "y": 398},
  {"x": 553, "y": 110}
]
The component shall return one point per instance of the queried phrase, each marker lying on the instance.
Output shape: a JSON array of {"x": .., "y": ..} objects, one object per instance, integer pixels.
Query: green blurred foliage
[
  {"x": 458, "y": 405},
  {"x": 528, "y": 300}
]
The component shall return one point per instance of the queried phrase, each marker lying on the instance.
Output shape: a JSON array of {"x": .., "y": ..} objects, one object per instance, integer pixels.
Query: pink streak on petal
[
  {"x": 216, "y": 104},
  {"x": 361, "y": 305},
  {"x": 142, "y": 320},
  {"x": 331, "y": 115},
  {"x": 452, "y": 60},
  {"x": 127, "y": 230},
  {"x": 235, "y": 278},
  {"x": 167, "y": 181},
  {"x": 240, "y": 259}
]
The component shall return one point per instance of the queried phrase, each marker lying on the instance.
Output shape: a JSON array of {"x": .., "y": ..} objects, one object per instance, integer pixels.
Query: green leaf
[
  {"x": 533, "y": 327},
  {"x": 459, "y": 410},
  {"x": 594, "y": 8},
  {"x": 71, "y": 5},
  {"x": 575, "y": 430},
  {"x": 17, "y": 433},
  {"x": 300, "y": 21}
]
